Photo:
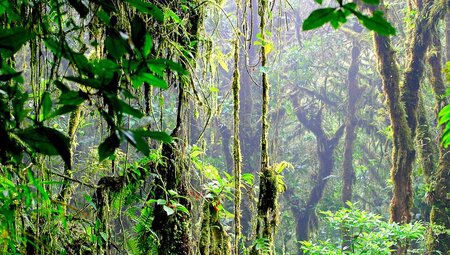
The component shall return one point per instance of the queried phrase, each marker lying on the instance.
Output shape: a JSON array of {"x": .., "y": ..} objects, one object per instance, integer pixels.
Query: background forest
[{"x": 224, "y": 127}]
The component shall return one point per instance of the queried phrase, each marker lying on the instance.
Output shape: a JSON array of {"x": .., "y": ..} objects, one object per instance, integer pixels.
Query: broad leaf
[
  {"x": 12, "y": 39},
  {"x": 47, "y": 141},
  {"x": 46, "y": 105},
  {"x": 155, "y": 135},
  {"x": 318, "y": 18},
  {"x": 150, "y": 79},
  {"x": 376, "y": 23},
  {"x": 108, "y": 147},
  {"x": 147, "y": 8}
]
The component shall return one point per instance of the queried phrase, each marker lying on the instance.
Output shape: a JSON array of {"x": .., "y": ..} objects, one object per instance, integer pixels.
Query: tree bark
[{"x": 440, "y": 181}]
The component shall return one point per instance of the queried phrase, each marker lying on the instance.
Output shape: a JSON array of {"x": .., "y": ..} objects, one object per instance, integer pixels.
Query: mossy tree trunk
[
  {"x": 267, "y": 202},
  {"x": 440, "y": 180},
  {"x": 402, "y": 101}
]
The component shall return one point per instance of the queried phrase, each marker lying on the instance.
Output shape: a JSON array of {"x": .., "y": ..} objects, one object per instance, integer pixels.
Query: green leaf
[
  {"x": 318, "y": 1},
  {"x": 128, "y": 109},
  {"x": 103, "y": 16},
  {"x": 375, "y": 23},
  {"x": 168, "y": 210},
  {"x": 148, "y": 45},
  {"x": 137, "y": 140},
  {"x": 9, "y": 76},
  {"x": 117, "y": 47},
  {"x": 61, "y": 86},
  {"x": 161, "y": 201},
  {"x": 12, "y": 39},
  {"x": 138, "y": 32},
  {"x": 46, "y": 105},
  {"x": 182, "y": 208},
  {"x": 318, "y": 18},
  {"x": 89, "y": 82},
  {"x": 47, "y": 141},
  {"x": 155, "y": 135},
  {"x": 373, "y": 2},
  {"x": 72, "y": 98},
  {"x": 108, "y": 147},
  {"x": 147, "y": 8},
  {"x": 150, "y": 79},
  {"x": 63, "y": 110},
  {"x": 79, "y": 6}
]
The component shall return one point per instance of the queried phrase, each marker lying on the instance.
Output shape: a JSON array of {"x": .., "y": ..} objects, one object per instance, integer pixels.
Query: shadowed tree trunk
[
  {"x": 325, "y": 149},
  {"x": 354, "y": 94}
]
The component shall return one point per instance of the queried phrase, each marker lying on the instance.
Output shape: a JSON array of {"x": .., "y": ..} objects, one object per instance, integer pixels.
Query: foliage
[
  {"x": 368, "y": 234},
  {"x": 338, "y": 15},
  {"x": 444, "y": 113}
]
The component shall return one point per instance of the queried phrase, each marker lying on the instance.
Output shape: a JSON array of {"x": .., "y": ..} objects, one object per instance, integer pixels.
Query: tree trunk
[
  {"x": 325, "y": 150},
  {"x": 440, "y": 181},
  {"x": 354, "y": 94}
]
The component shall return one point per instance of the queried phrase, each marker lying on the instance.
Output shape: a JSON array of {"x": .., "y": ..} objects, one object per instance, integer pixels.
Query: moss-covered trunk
[
  {"x": 440, "y": 181},
  {"x": 402, "y": 102}
]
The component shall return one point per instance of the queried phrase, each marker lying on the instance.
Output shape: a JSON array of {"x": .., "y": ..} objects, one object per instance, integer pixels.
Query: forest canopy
[{"x": 224, "y": 127}]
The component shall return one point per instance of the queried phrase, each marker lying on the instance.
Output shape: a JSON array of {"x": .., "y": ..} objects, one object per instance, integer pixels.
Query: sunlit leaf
[{"x": 318, "y": 18}]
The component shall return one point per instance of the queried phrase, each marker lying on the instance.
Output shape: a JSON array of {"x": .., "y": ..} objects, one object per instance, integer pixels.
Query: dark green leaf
[
  {"x": 138, "y": 31},
  {"x": 103, "y": 16},
  {"x": 318, "y": 1},
  {"x": 117, "y": 47},
  {"x": 126, "y": 108},
  {"x": 63, "y": 110},
  {"x": 150, "y": 79},
  {"x": 137, "y": 140},
  {"x": 376, "y": 23},
  {"x": 61, "y": 86},
  {"x": 72, "y": 98},
  {"x": 79, "y": 6},
  {"x": 12, "y": 39},
  {"x": 155, "y": 135},
  {"x": 148, "y": 44},
  {"x": 374, "y": 2},
  {"x": 108, "y": 147},
  {"x": 46, "y": 104},
  {"x": 147, "y": 8},
  {"x": 318, "y": 18},
  {"x": 89, "y": 82},
  {"x": 47, "y": 141},
  {"x": 9, "y": 76}
]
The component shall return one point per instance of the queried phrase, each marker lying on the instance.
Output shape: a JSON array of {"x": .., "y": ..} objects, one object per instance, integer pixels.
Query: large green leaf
[
  {"x": 47, "y": 141},
  {"x": 137, "y": 140},
  {"x": 12, "y": 39},
  {"x": 150, "y": 79},
  {"x": 147, "y": 8},
  {"x": 109, "y": 146},
  {"x": 155, "y": 135},
  {"x": 318, "y": 18},
  {"x": 375, "y": 23},
  {"x": 46, "y": 105}
]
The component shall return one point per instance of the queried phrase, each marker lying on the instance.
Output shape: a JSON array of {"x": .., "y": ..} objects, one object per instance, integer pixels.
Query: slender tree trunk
[{"x": 354, "y": 94}]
